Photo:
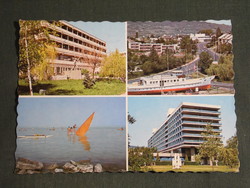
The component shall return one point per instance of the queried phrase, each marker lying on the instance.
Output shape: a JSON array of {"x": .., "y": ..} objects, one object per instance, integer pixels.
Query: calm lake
[{"x": 105, "y": 145}]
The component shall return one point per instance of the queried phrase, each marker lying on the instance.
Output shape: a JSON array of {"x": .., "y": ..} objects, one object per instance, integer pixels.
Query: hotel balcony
[
  {"x": 194, "y": 135},
  {"x": 197, "y": 111},
  {"x": 63, "y": 31},
  {"x": 191, "y": 135},
  {"x": 193, "y": 141},
  {"x": 200, "y": 117},
  {"x": 199, "y": 129},
  {"x": 69, "y": 63},
  {"x": 200, "y": 123},
  {"x": 76, "y": 54},
  {"x": 74, "y": 44}
]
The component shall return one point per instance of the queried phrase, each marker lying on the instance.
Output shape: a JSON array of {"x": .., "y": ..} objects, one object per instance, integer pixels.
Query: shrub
[
  {"x": 190, "y": 163},
  {"x": 88, "y": 82},
  {"x": 163, "y": 163}
]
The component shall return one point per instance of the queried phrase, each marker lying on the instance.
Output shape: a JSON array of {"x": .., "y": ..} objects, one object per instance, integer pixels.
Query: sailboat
[{"x": 81, "y": 131}]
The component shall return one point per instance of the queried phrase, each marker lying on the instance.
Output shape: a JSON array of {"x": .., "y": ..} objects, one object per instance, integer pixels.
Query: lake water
[{"x": 104, "y": 145}]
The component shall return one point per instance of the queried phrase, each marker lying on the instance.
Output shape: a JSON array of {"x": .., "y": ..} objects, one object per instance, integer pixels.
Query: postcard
[{"x": 126, "y": 96}]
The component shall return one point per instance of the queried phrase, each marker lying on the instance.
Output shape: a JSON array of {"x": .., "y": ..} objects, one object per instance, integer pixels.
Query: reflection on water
[
  {"x": 99, "y": 145},
  {"x": 72, "y": 137},
  {"x": 85, "y": 142}
]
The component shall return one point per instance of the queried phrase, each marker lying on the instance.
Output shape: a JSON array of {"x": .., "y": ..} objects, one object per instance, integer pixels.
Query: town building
[
  {"x": 147, "y": 47},
  {"x": 200, "y": 37},
  {"x": 182, "y": 131},
  {"x": 76, "y": 50},
  {"x": 226, "y": 38}
]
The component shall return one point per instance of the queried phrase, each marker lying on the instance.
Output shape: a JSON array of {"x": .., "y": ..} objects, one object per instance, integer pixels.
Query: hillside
[{"x": 172, "y": 28}]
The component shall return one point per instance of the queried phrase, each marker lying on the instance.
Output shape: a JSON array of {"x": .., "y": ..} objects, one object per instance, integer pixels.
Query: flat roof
[
  {"x": 200, "y": 105},
  {"x": 68, "y": 24}
]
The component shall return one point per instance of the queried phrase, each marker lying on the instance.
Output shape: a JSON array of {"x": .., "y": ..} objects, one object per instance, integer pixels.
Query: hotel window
[
  {"x": 65, "y": 37},
  {"x": 64, "y": 27},
  {"x": 58, "y": 34},
  {"x": 65, "y": 46},
  {"x": 70, "y": 29},
  {"x": 59, "y": 45}
]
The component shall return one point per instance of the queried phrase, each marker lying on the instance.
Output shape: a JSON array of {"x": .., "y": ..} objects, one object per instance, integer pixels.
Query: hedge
[{"x": 163, "y": 163}]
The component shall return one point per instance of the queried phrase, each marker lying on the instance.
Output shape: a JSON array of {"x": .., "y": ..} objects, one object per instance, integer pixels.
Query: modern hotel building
[
  {"x": 181, "y": 132},
  {"x": 76, "y": 49}
]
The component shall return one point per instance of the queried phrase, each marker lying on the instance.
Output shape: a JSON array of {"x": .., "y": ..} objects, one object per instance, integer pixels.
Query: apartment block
[
  {"x": 182, "y": 130},
  {"x": 226, "y": 38},
  {"x": 76, "y": 49},
  {"x": 147, "y": 47}
]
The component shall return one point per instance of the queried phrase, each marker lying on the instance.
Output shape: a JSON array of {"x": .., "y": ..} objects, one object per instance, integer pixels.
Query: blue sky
[
  {"x": 151, "y": 112},
  {"x": 67, "y": 111},
  {"x": 113, "y": 33}
]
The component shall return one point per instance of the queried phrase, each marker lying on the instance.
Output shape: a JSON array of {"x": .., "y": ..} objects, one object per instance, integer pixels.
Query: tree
[
  {"x": 225, "y": 48},
  {"x": 229, "y": 154},
  {"x": 211, "y": 146},
  {"x": 224, "y": 69},
  {"x": 136, "y": 34},
  {"x": 34, "y": 39},
  {"x": 44, "y": 70},
  {"x": 93, "y": 59},
  {"x": 205, "y": 61},
  {"x": 148, "y": 67},
  {"x": 153, "y": 56},
  {"x": 114, "y": 66},
  {"x": 131, "y": 119},
  {"x": 206, "y": 31},
  {"x": 158, "y": 159},
  {"x": 88, "y": 82},
  {"x": 139, "y": 157},
  {"x": 218, "y": 33},
  {"x": 232, "y": 142},
  {"x": 188, "y": 45},
  {"x": 84, "y": 72}
]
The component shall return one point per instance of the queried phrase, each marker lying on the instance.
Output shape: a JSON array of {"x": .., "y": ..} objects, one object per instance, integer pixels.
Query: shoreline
[{"x": 26, "y": 166}]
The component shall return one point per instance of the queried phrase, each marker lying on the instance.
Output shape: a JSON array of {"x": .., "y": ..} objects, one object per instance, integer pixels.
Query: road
[
  {"x": 221, "y": 84},
  {"x": 202, "y": 48}
]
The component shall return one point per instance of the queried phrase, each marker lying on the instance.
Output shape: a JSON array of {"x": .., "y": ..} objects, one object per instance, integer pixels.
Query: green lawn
[
  {"x": 73, "y": 87},
  {"x": 191, "y": 168}
]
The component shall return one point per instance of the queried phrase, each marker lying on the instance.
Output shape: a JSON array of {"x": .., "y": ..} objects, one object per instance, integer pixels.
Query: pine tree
[
  {"x": 218, "y": 33},
  {"x": 88, "y": 82}
]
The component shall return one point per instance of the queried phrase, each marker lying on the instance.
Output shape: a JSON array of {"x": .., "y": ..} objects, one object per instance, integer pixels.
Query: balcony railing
[
  {"x": 201, "y": 117},
  {"x": 199, "y": 141},
  {"x": 188, "y": 134},
  {"x": 201, "y": 123},
  {"x": 198, "y": 135},
  {"x": 200, "y": 129},
  {"x": 201, "y": 111}
]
